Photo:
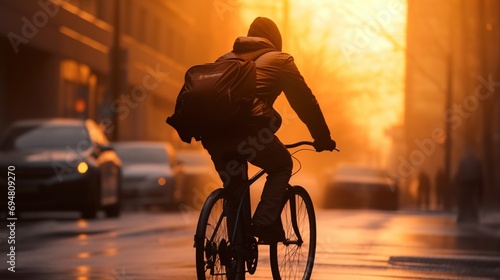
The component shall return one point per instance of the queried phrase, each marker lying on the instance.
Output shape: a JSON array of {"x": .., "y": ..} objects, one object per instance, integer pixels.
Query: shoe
[{"x": 269, "y": 234}]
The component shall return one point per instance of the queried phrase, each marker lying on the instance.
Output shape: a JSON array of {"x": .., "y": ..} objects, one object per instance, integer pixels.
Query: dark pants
[{"x": 265, "y": 150}]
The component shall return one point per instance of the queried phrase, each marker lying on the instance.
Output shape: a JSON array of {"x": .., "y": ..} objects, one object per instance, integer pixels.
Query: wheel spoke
[
  {"x": 215, "y": 254},
  {"x": 294, "y": 258},
  {"x": 213, "y": 227}
]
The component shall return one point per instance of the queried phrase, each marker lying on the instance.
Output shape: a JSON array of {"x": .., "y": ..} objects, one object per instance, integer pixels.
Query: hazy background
[{"x": 397, "y": 80}]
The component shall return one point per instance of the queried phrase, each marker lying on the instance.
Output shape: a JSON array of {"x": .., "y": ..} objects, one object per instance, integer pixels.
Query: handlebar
[{"x": 302, "y": 143}]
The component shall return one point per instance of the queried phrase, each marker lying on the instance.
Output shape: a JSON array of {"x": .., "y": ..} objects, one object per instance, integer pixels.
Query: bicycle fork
[
  {"x": 235, "y": 251},
  {"x": 293, "y": 217}
]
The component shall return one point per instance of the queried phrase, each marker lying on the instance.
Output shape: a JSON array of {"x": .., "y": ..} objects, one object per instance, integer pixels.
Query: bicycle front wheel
[
  {"x": 294, "y": 258},
  {"x": 216, "y": 256}
]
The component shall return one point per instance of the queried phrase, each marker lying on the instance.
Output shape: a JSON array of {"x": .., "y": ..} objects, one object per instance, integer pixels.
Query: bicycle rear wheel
[
  {"x": 294, "y": 258},
  {"x": 216, "y": 257}
]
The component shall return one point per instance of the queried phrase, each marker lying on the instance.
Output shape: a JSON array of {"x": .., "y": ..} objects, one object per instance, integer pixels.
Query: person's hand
[{"x": 324, "y": 145}]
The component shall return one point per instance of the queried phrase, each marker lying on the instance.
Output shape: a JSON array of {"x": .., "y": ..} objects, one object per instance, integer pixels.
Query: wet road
[{"x": 158, "y": 245}]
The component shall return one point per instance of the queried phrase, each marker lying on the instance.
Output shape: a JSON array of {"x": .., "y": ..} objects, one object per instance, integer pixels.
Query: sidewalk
[{"x": 489, "y": 219}]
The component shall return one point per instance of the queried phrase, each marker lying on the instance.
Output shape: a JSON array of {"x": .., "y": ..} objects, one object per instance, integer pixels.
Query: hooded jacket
[{"x": 276, "y": 73}]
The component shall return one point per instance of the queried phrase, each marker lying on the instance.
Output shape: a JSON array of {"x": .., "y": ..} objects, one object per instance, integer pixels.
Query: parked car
[
  {"x": 198, "y": 178},
  {"x": 361, "y": 187},
  {"x": 150, "y": 173},
  {"x": 61, "y": 164}
]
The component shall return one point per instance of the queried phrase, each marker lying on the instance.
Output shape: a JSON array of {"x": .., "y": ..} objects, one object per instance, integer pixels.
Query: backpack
[{"x": 216, "y": 98}]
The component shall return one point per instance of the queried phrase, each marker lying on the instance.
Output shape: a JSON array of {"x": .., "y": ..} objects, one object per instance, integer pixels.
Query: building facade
[
  {"x": 56, "y": 60},
  {"x": 452, "y": 102}
]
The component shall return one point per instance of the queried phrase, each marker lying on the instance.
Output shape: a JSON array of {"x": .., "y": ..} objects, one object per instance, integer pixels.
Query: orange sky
[{"x": 360, "y": 44}]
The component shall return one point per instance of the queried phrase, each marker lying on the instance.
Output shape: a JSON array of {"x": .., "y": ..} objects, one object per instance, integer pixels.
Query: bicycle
[{"x": 224, "y": 244}]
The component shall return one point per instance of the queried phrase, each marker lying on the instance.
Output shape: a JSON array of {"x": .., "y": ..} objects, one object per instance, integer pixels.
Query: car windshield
[
  {"x": 36, "y": 137},
  {"x": 141, "y": 155},
  {"x": 364, "y": 175}
]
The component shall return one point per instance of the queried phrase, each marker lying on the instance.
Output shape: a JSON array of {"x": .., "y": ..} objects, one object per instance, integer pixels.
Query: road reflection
[
  {"x": 350, "y": 245},
  {"x": 83, "y": 272}
]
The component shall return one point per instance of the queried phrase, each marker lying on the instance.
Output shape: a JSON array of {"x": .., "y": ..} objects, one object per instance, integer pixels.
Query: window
[
  {"x": 43, "y": 136},
  {"x": 141, "y": 154}
]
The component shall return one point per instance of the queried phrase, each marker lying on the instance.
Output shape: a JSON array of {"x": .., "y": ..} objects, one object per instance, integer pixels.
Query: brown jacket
[{"x": 276, "y": 73}]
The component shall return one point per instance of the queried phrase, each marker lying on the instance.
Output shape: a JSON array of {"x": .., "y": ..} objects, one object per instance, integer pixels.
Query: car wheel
[
  {"x": 171, "y": 206},
  {"x": 93, "y": 202},
  {"x": 114, "y": 210},
  {"x": 168, "y": 206},
  {"x": 394, "y": 205},
  {"x": 89, "y": 213},
  {"x": 391, "y": 204}
]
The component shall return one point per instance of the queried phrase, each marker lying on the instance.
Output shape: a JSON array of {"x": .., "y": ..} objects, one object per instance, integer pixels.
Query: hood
[
  {"x": 40, "y": 156},
  {"x": 251, "y": 44},
  {"x": 135, "y": 170},
  {"x": 266, "y": 28}
]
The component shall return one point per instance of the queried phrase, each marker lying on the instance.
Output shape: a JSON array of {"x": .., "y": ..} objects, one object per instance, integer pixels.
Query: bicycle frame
[
  {"x": 236, "y": 248},
  {"x": 245, "y": 201},
  {"x": 246, "y": 197}
]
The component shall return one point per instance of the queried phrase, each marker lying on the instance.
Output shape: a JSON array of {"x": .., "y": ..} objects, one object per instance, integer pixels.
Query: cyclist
[{"x": 256, "y": 142}]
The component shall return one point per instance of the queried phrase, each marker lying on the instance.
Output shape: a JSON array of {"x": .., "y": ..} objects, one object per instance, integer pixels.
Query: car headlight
[
  {"x": 162, "y": 181},
  {"x": 83, "y": 167}
]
